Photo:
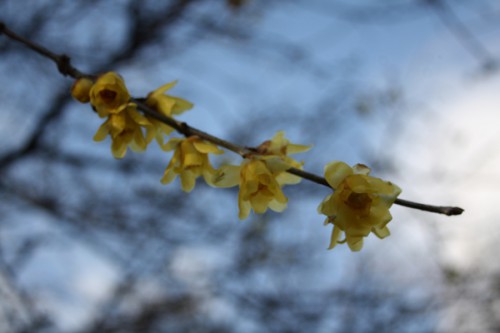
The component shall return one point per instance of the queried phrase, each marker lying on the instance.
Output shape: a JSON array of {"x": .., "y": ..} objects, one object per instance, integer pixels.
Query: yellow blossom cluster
[
  {"x": 127, "y": 127},
  {"x": 358, "y": 205}
]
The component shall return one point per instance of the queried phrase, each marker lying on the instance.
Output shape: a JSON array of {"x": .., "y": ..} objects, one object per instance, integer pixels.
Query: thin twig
[
  {"x": 62, "y": 61},
  {"x": 446, "y": 210},
  {"x": 64, "y": 65}
]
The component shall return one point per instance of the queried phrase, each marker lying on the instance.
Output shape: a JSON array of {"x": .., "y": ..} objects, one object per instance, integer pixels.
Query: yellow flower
[
  {"x": 109, "y": 95},
  {"x": 261, "y": 176},
  {"x": 125, "y": 131},
  {"x": 359, "y": 205},
  {"x": 166, "y": 105},
  {"x": 276, "y": 151},
  {"x": 259, "y": 188},
  {"x": 81, "y": 89},
  {"x": 190, "y": 161}
]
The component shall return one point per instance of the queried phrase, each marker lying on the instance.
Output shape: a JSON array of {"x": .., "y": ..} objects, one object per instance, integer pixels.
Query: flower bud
[{"x": 81, "y": 89}]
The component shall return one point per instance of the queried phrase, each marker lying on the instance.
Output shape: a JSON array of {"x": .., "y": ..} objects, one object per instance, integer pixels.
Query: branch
[
  {"x": 64, "y": 66},
  {"x": 62, "y": 61},
  {"x": 446, "y": 210}
]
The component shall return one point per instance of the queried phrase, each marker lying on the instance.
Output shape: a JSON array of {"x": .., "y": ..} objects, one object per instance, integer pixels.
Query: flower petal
[
  {"x": 277, "y": 206},
  {"x": 137, "y": 117},
  {"x": 381, "y": 232},
  {"x": 189, "y": 155},
  {"x": 286, "y": 178},
  {"x": 276, "y": 164},
  {"x": 102, "y": 132},
  {"x": 336, "y": 172},
  {"x": 119, "y": 148},
  {"x": 334, "y": 237},
  {"x": 244, "y": 208},
  {"x": 259, "y": 202},
  {"x": 168, "y": 176},
  {"x": 361, "y": 169},
  {"x": 165, "y": 105},
  {"x": 227, "y": 176},
  {"x": 355, "y": 243},
  {"x": 206, "y": 147},
  {"x": 163, "y": 88},
  {"x": 188, "y": 180},
  {"x": 181, "y": 105},
  {"x": 294, "y": 149},
  {"x": 172, "y": 144}
]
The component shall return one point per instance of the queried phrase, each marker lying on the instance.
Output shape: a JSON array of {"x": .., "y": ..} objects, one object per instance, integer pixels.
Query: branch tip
[
  {"x": 446, "y": 210},
  {"x": 454, "y": 211}
]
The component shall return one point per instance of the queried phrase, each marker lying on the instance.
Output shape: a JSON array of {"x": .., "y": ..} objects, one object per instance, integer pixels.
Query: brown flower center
[
  {"x": 358, "y": 201},
  {"x": 108, "y": 96}
]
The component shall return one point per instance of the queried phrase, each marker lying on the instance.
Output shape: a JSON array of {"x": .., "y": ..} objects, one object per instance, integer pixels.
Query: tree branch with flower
[{"x": 358, "y": 205}]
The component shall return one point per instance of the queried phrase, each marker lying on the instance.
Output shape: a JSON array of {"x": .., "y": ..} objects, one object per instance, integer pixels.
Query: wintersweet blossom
[
  {"x": 278, "y": 149},
  {"x": 109, "y": 95},
  {"x": 166, "y": 105},
  {"x": 81, "y": 89},
  {"x": 190, "y": 160},
  {"x": 359, "y": 205},
  {"x": 125, "y": 131},
  {"x": 259, "y": 188},
  {"x": 261, "y": 176}
]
